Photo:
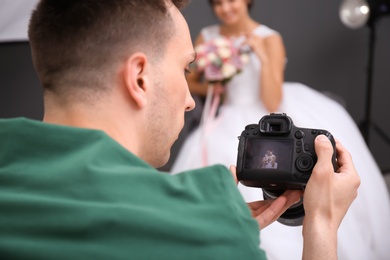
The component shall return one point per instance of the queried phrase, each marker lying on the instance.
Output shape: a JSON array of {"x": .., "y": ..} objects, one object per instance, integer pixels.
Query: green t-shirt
[{"x": 71, "y": 193}]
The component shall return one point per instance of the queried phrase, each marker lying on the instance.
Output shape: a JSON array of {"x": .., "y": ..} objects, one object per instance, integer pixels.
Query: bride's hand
[
  {"x": 257, "y": 45},
  {"x": 267, "y": 211}
]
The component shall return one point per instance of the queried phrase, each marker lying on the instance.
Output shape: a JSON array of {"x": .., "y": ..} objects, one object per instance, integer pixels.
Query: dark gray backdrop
[{"x": 322, "y": 53}]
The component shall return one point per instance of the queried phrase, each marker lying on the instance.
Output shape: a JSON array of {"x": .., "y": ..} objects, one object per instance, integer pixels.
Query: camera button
[
  {"x": 299, "y": 134},
  {"x": 306, "y": 147},
  {"x": 304, "y": 163},
  {"x": 299, "y": 143},
  {"x": 252, "y": 126},
  {"x": 314, "y": 132},
  {"x": 298, "y": 150}
]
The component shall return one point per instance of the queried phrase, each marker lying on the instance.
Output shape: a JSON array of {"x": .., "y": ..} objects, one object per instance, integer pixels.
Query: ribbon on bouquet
[{"x": 208, "y": 116}]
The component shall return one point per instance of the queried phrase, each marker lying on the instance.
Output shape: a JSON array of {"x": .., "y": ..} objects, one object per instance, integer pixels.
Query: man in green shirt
[{"x": 82, "y": 184}]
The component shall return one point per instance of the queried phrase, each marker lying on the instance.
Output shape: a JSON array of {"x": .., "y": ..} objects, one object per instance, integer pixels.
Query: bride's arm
[{"x": 272, "y": 54}]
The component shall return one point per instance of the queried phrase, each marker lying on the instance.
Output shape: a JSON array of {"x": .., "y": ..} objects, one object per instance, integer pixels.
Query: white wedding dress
[{"x": 365, "y": 231}]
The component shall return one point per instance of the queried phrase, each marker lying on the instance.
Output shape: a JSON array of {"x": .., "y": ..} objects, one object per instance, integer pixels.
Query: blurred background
[
  {"x": 326, "y": 55},
  {"x": 322, "y": 53}
]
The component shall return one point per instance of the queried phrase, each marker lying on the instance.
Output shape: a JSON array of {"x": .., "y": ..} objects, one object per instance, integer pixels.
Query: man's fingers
[
  {"x": 344, "y": 158},
  {"x": 269, "y": 211},
  {"x": 272, "y": 212},
  {"x": 324, "y": 151}
]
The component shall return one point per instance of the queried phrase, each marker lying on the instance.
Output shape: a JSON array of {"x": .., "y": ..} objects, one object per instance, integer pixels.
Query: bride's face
[{"x": 230, "y": 12}]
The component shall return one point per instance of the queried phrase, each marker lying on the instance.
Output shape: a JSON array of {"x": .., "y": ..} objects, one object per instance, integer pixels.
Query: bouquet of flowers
[{"x": 220, "y": 60}]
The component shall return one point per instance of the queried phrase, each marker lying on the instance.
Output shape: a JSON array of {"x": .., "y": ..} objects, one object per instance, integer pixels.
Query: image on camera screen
[{"x": 268, "y": 154}]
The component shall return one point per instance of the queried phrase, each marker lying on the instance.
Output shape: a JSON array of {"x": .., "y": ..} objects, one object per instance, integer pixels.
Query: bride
[{"x": 260, "y": 89}]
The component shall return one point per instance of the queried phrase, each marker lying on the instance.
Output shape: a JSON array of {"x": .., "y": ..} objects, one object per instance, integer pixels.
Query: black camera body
[{"x": 276, "y": 155}]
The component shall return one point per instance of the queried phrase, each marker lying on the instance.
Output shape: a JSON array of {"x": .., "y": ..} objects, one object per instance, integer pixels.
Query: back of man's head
[{"x": 79, "y": 44}]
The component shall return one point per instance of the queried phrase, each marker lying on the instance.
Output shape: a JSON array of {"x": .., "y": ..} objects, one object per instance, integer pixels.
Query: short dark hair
[
  {"x": 75, "y": 42},
  {"x": 250, "y": 3}
]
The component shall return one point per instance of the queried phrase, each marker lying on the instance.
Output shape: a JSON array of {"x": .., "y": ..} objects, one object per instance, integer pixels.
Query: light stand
[
  {"x": 365, "y": 125},
  {"x": 355, "y": 14}
]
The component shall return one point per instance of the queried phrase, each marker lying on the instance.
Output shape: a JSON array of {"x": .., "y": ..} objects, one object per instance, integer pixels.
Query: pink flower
[{"x": 219, "y": 60}]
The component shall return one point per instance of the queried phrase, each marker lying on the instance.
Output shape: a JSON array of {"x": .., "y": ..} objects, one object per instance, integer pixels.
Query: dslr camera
[{"x": 276, "y": 155}]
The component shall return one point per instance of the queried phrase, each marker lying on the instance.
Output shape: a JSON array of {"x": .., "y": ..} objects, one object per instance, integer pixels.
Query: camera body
[{"x": 276, "y": 155}]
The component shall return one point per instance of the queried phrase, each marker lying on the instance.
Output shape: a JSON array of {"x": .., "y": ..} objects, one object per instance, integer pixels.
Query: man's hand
[
  {"x": 267, "y": 211},
  {"x": 328, "y": 196}
]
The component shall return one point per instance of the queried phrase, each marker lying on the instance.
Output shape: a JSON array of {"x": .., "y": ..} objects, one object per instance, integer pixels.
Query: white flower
[
  {"x": 228, "y": 70},
  {"x": 212, "y": 57},
  {"x": 221, "y": 42},
  {"x": 224, "y": 53},
  {"x": 200, "y": 48},
  {"x": 201, "y": 63}
]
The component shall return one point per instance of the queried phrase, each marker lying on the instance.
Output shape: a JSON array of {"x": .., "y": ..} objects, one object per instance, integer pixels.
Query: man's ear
[{"x": 135, "y": 78}]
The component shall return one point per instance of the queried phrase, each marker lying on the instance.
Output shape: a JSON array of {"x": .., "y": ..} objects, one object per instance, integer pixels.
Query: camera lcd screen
[{"x": 268, "y": 154}]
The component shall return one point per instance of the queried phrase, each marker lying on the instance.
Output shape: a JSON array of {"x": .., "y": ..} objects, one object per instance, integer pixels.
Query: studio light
[{"x": 356, "y": 14}]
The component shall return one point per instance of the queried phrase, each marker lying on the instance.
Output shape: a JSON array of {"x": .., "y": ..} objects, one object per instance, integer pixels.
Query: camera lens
[{"x": 294, "y": 215}]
